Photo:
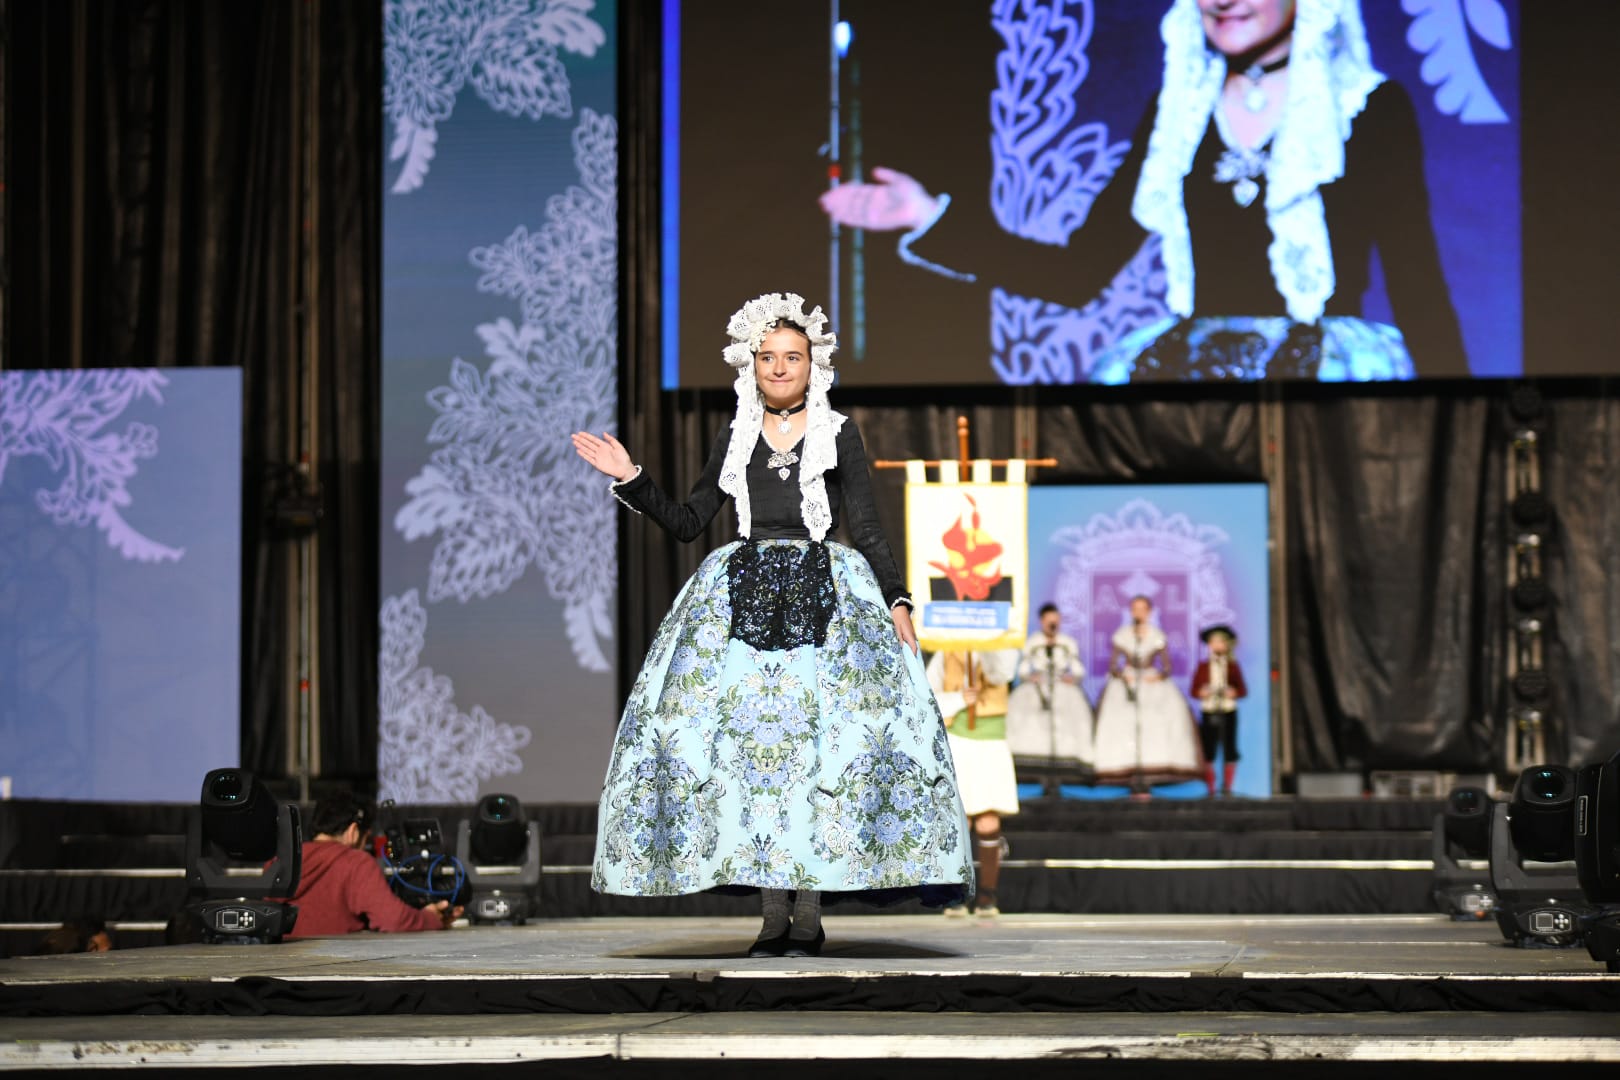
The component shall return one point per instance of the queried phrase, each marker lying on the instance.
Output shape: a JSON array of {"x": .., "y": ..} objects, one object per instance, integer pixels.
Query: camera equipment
[
  {"x": 1539, "y": 900},
  {"x": 239, "y": 828},
  {"x": 501, "y": 853},
  {"x": 417, "y": 867},
  {"x": 1461, "y": 886}
]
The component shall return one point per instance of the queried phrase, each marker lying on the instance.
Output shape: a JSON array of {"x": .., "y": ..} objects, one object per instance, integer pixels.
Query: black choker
[
  {"x": 1254, "y": 98},
  {"x": 784, "y": 427}
]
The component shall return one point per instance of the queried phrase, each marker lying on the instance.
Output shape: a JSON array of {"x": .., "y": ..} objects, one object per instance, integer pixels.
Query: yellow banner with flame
[{"x": 967, "y": 559}]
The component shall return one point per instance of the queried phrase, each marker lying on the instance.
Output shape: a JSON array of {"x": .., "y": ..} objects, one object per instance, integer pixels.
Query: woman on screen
[
  {"x": 1274, "y": 161},
  {"x": 1145, "y": 730},
  {"x": 781, "y": 736}
]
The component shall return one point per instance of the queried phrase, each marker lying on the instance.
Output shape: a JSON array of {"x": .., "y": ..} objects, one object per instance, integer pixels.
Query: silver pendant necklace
[
  {"x": 1255, "y": 98},
  {"x": 783, "y": 425},
  {"x": 780, "y": 460},
  {"x": 1241, "y": 166}
]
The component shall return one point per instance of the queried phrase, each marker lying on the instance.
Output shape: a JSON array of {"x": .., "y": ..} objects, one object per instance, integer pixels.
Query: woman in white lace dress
[
  {"x": 1049, "y": 720},
  {"x": 1145, "y": 729}
]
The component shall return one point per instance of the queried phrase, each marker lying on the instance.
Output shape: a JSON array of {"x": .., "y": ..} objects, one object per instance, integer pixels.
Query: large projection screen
[{"x": 1105, "y": 222}]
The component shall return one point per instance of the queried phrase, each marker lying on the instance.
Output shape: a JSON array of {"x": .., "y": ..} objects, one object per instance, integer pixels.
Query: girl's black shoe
[
  {"x": 807, "y": 946},
  {"x": 772, "y": 946}
]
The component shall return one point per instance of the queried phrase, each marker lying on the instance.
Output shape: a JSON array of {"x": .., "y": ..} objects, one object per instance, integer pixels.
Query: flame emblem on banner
[{"x": 973, "y": 557}]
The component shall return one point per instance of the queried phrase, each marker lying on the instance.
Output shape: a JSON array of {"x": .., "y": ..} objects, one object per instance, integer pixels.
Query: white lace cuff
[
  {"x": 614, "y": 487},
  {"x": 906, "y": 240},
  {"x": 903, "y": 601}
]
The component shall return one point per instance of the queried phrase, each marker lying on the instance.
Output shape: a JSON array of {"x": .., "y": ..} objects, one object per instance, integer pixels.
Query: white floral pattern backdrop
[
  {"x": 120, "y": 581},
  {"x": 499, "y": 558}
]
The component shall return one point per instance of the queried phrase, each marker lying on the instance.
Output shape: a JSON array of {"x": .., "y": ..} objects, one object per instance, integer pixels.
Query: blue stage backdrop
[
  {"x": 1199, "y": 552},
  {"x": 120, "y": 581},
  {"x": 500, "y": 294}
]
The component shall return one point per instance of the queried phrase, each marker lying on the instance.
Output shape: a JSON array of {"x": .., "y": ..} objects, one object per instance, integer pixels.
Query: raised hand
[
  {"x": 893, "y": 201},
  {"x": 606, "y": 455}
]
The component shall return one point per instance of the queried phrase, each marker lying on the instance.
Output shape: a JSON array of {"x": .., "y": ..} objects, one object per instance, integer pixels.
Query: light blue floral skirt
[{"x": 815, "y": 766}]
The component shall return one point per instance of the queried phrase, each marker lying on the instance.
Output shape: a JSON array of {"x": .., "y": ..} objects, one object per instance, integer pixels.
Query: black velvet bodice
[{"x": 774, "y": 502}]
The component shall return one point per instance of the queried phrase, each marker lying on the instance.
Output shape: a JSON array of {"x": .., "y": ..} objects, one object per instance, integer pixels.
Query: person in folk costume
[
  {"x": 1218, "y": 686},
  {"x": 781, "y": 736},
  {"x": 972, "y": 691},
  {"x": 1049, "y": 720},
  {"x": 1145, "y": 731},
  {"x": 1271, "y": 165}
]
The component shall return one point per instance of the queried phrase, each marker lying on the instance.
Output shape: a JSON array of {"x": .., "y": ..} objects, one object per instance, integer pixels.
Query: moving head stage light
[
  {"x": 1539, "y": 900},
  {"x": 238, "y": 830},
  {"x": 1462, "y": 846},
  {"x": 501, "y": 853}
]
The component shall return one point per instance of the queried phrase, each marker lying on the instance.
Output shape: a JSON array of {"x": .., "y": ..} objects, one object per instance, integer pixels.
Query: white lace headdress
[
  {"x": 1330, "y": 74},
  {"x": 747, "y": 329}
]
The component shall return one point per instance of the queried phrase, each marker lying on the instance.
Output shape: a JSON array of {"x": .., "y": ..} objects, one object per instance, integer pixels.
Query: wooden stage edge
[{"x": 1036, "y": 988}]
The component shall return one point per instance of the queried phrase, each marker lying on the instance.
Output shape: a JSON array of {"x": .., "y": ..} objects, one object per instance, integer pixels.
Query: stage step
[
  {"x": 123, "y": 862},
  {"x": 666, "y": 1044}
]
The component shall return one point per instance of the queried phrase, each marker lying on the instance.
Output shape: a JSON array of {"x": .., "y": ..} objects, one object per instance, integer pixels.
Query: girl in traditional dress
[
  {"x": 1145, "y": 731},
  {"x": 781, "y": 736},
  {"x": 1049, "y": 720}
]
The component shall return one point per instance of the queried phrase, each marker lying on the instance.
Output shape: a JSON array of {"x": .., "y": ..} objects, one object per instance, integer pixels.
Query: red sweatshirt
[{"x": 342, "y": 889}]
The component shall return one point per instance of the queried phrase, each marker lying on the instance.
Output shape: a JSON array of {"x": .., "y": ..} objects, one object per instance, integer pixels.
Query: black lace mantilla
[{"x": 781, "y": 593}]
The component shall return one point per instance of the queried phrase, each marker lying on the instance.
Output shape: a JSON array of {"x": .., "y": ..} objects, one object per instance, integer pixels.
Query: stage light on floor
[
  {"x": 242, "y": 849},
  {"x": 1461, "y": 849},
  {"x": 501, "y": 853},
  {"x": 1539, "y": 899}
]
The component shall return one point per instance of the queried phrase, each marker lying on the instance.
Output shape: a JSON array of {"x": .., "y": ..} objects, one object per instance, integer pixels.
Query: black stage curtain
[
  {"x": 155, "y": 217},
  {"x": 1581, "y": 454},
  {"x": 1396, "y": 556}
]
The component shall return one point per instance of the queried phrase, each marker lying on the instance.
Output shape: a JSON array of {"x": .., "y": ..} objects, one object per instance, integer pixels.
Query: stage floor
[{"x": 1208, "y": 987}]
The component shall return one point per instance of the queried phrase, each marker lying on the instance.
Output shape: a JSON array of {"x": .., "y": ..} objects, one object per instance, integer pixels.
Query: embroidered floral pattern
[
  {"x": 767, "y": 727},
  {"x": 776, "y": 749},
  {"x": 765, "y": 864},
  {"x": 886, "y": 817},
  {"x": 662, "y": 824},
  {"x": 860, "y": 674}
]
